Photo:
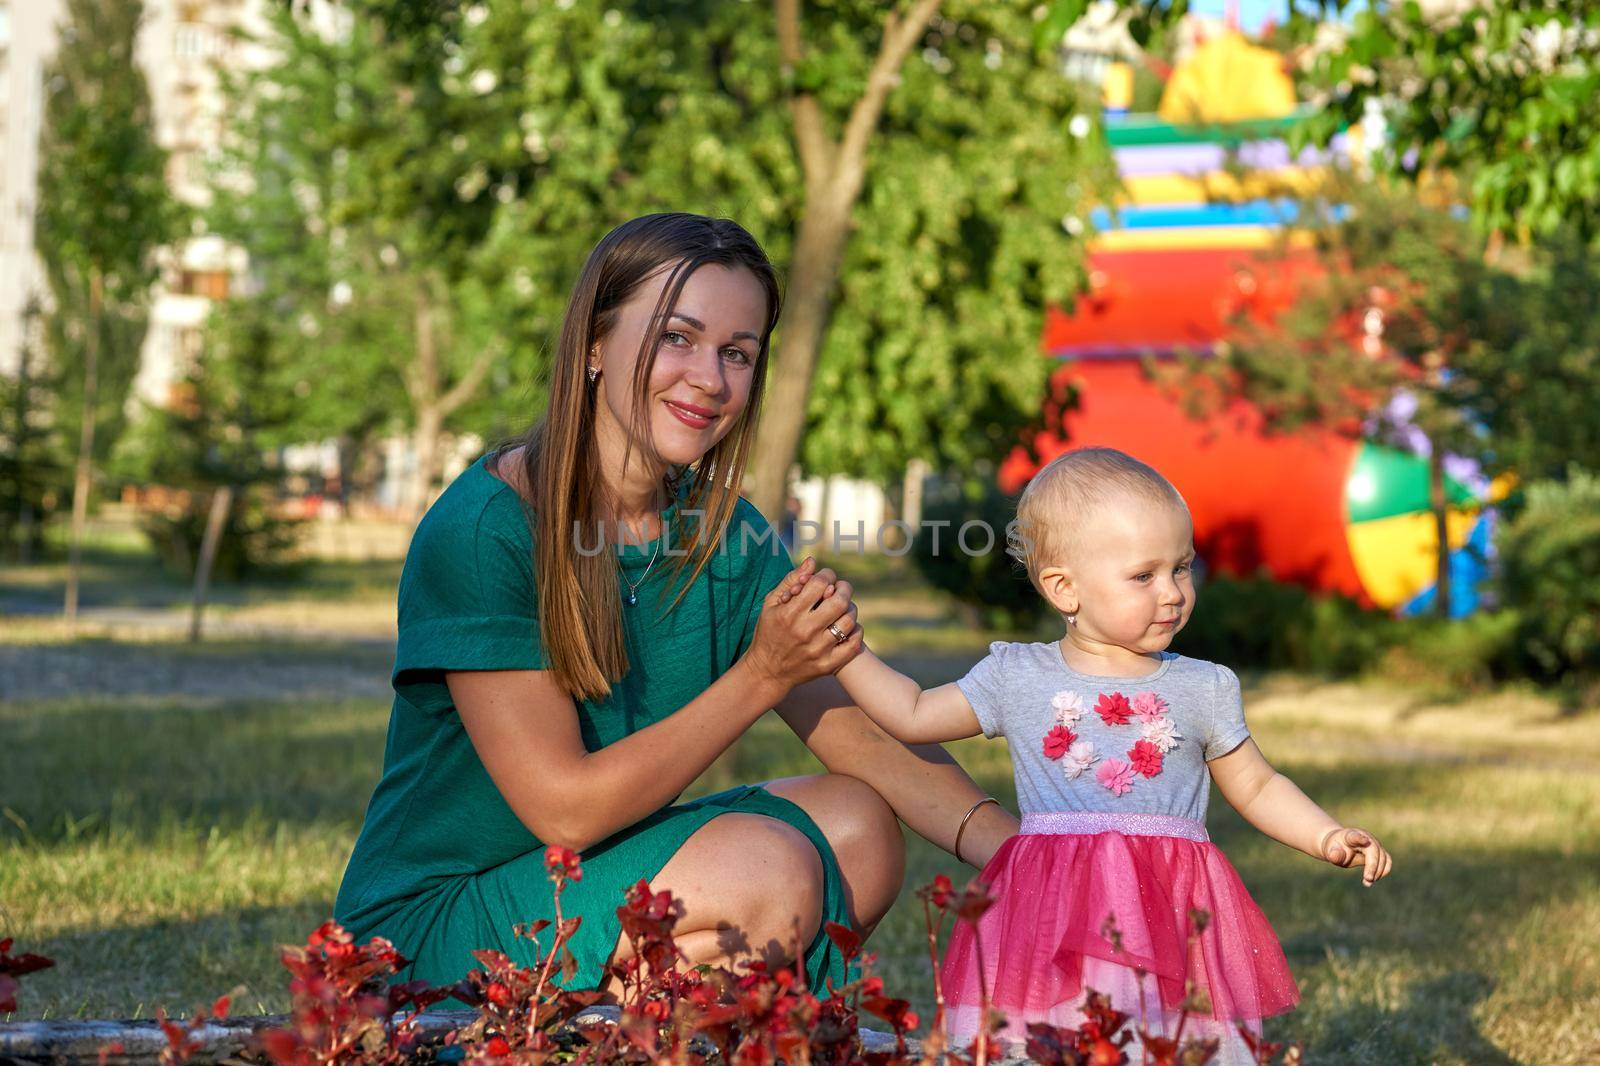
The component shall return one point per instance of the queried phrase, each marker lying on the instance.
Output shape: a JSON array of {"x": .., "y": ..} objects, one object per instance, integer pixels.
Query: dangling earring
[
  {"x": 594, "y": 373},
  {"x": 1072, "y": 619}
]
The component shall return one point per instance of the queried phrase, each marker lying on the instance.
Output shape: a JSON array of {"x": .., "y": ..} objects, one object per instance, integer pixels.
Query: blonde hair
[{"x": 1062, "y": 498}]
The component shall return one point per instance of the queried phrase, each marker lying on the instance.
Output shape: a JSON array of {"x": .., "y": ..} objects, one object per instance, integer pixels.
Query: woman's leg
[
  {"x": 865, "y": 836},
  {"x": 751, "y": 887}
]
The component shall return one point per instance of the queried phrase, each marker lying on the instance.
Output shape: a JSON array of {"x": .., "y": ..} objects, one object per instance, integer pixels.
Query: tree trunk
[
  {"x": 425, "y": 445},
  {"x": 812, "y": 275},
  {"x": 1440, "y": 504},
  {"x": 81, "y": 481},
  {"x": 216, "y": 521},
  {"x": 347, "y": 457},
  {"x": 911, "y": 504},
  {"x": 835, "y": 171},
  {"x": 431, "y": 402}
]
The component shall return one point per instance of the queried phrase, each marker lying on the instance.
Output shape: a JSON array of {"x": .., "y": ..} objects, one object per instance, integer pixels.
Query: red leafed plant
[
  {"x": 181, "y": 1039},
  {"x": 670, "y": 1011},
  {"x": 13, "y": 967},
  {"x": 345, "y": 1010}
]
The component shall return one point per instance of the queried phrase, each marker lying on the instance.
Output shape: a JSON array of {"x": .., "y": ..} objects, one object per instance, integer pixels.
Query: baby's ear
[{"x": 1056, "y": 584}]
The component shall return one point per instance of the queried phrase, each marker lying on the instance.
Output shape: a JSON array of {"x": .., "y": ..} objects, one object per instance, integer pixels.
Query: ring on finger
[{"x": 839, "y": 635}]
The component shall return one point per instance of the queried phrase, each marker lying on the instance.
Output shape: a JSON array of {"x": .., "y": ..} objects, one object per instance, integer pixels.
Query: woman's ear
[{"x": 1057, "y": 585}]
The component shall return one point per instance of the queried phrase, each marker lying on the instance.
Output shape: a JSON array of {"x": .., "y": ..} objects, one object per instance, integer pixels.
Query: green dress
[{"x": 442, "y": 866}]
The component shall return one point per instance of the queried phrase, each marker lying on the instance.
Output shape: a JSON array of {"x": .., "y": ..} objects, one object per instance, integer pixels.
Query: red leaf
[
  {"x": 939, "y": 892},
  {"x": 897, "y": 1012},
  {"x": 847, "y": 940},
  {"x": 26, "y": 963},
  {"x": 493, "y": 960},
  {"x": 281, "y": 1046},
  {"x": 975, "y": 899}
]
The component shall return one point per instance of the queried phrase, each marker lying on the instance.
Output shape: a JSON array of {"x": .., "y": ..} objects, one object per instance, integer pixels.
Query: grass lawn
[{"x": 158, "y": 843}]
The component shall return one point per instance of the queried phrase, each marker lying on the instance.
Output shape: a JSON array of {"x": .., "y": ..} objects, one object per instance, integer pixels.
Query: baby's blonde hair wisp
[{"x": 1062, "y": 498}]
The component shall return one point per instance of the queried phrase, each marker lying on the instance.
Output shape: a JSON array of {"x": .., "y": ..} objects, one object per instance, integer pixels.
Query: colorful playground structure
[{"x": 1197, "y": 242}]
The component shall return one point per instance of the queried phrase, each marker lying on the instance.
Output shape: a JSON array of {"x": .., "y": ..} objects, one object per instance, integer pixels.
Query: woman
[{"x": 589, "y": 617}]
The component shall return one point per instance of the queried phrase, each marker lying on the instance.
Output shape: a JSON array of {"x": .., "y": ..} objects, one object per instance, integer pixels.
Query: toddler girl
[{"x": 1112, "y": 738}]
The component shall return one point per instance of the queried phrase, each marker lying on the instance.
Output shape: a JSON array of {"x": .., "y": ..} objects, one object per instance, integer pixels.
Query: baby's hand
[
  {"x": 792, "y": 585},
  {"x": 1347, "y": 846}
]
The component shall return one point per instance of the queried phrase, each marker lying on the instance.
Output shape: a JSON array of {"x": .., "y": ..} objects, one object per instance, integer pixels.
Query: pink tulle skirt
[{"x": 1085, "y": 900}]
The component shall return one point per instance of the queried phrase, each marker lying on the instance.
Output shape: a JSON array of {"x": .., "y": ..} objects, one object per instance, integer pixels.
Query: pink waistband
[{"x": 1131, "y": 824}]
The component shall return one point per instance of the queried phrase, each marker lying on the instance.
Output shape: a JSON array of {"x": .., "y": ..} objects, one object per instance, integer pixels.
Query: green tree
[
  {"x": 343, "y": 177},
  {"x": 1529, "y": 374},
  {"x": 33, "y": 471},
  {"x": 1505, "y": 93},
  {"x": 231, "y": 411},
  {"x": 104, "y": 210},
  {"x": 915, "y": 168}
]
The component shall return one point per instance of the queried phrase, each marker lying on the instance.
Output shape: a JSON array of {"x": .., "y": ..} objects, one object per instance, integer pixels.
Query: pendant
[{"x": 632, "y": 599}]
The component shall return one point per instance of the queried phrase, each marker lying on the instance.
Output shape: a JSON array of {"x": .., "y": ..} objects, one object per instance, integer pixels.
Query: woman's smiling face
[{"x": 705, "y": 360}]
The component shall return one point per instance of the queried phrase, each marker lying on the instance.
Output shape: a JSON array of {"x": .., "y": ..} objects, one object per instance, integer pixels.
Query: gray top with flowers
[{"x": 1135, "y": 745}]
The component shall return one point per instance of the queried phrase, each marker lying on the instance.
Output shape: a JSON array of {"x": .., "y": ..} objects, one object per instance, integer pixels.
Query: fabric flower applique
[
  {"x": 1057, "y": 741},
  {"x": 1116, "y": 775},
  {"x": 1162, "y": 734},
  {"x": 1113, "y": 708},
  {"x": 1145, "y": 758},
  {"x": 1148, "y": 706},
  {"x": 1068, "y": 706},
  {"x": 1079, "y": 757}
]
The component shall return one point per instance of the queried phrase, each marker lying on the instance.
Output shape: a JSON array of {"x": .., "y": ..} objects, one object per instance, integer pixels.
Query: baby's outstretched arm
[
  {"x": 901, "y": 706},
  {"x": 1276, "y": 806},
  {"x": 896, "y": 702}
]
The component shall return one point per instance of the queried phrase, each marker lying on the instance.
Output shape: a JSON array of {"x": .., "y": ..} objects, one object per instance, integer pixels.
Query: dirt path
[{"x": 225, "y": 670}]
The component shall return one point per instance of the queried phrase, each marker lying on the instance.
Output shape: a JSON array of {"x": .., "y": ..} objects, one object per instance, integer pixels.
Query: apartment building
[{"x": 182, "y": 45}]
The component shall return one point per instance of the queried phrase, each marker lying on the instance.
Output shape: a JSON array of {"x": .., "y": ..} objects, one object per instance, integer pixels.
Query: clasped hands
[{"x": 798, "y": 636}]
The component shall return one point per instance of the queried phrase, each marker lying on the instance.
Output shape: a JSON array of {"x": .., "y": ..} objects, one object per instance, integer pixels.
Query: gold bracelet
[{"x": 968, "y": 818}]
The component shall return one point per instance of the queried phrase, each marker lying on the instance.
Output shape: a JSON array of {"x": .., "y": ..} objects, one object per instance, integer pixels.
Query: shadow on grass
[
  {"x": 126, "y": 971},
  {"x": 1435, "y": 1025},
  {"x": 73, "y": 769}
]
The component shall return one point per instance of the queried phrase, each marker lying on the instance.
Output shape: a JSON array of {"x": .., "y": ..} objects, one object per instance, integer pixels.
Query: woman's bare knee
[
  {"x": 750, "y": 886},
  {"x": 865, "y": 836},
  {"x": 781, "y": 899}
]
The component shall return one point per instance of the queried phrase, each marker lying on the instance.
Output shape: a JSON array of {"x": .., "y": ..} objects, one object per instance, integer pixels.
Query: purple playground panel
[{"x": 1199, "y": 159}]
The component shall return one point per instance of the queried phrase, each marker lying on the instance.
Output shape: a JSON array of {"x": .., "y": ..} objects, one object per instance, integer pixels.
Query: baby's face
[{"x": 1133, "y": 575}]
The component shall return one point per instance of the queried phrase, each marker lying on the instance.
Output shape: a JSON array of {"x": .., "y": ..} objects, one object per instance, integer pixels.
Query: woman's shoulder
[
  {"x": 747, "y": 516},
  {"x": 471, "y": 554},
  {"x": 475, "y": 508}
]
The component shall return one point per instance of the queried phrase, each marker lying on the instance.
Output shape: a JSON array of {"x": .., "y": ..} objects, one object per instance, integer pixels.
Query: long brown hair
[{"x": 580, "y": 607}]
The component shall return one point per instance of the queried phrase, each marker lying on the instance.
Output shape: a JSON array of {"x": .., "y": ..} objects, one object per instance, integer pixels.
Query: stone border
[{"x": 78, "y": 1043}]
